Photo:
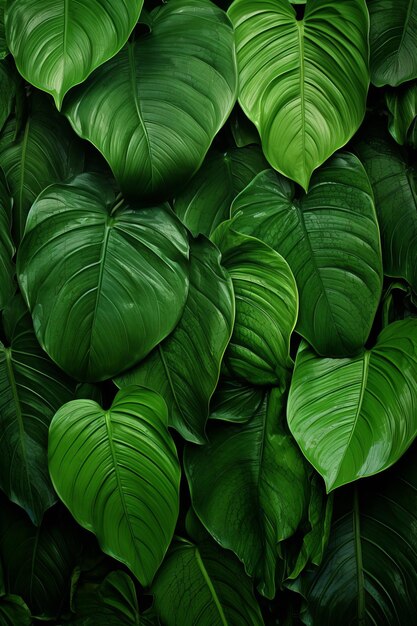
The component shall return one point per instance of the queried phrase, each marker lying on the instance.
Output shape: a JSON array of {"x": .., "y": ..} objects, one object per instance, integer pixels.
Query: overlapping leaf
[
  {"x": 206, "y": 200},
  {"x": 32, "y": 388},
  {"x": 154, "y": 109},
  {"x": 302, "y": 82},
  {"x": 248, "y": 487},
  {"x": 56, "y": 45},
  {"x": 118, "y": 473},
  {"x": 6, "y": 245},
  {"x": 204, "y": 586},
  {"x": 355, "y": 417},
  {"x": 236, "y": 401},
  {"x": 185, "y": 367},
  {"x": 393, "y": 41},
  {"x": 402, "y": 105},
  {"x": 91, "y": 267},
  {"x": 330, "y": 239},
  {"x": 7, "y": 90}
]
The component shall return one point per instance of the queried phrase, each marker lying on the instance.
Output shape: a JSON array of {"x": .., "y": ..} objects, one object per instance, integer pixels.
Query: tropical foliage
[{"x": 208, "y": 312}]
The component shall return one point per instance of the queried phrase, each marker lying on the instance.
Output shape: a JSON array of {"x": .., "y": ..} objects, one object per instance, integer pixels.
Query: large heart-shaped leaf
[
  {"x": 206, "y": 200},
  {"x": 394, "y": 184},
  {"x": 330, "y": 239},
  {"x": 32, "y": 388},
  {"x": 38, "y": 562},
  {"x": 185, "y": 367},
  {"x": 154, "y": 109},
  {"x": 302, "y": 82},
  {"x": 44, "y": 151},
  {"x": 248, "y": 487},
  {"x": 402, "y": 105},
  {"x": 355, "y": 417},
  {"x": 368, "y": 575},
  {"x": 118, "y": 473},
  {"x": 266, "y": 308},
  {"x": 204, "y": 586},
  {"x": 95, "y": 268},
  {"x": 6, "y": 245},
  {"x": 56, "y": 44},
  {"x": 393, "y": 41}
]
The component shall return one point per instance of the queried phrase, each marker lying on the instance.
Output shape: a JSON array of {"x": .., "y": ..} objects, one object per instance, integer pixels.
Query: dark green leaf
[
  {"x": 402, "y": 105},
  {"x": 93, "y": 267},
  {"x": 266, "y": 308},
  {"x": 118, "y": 473},
  {"x": 185, "y": 367},
  {"x": 244, "y": 132},
  {"x": 204, "y": 586},
  {"x": 330, "y": 239},
  {"x": 154, "y": 109},
  {"x": 32, "y": 388},
  {"x": 7, "y": 249},
  {"x": 302, "y": 82},
  {"x": 3, "y": 45},
  {"x": 248, "y": 487},
  {"x": 14, "y": 611},
  {"x": 393, "y": 41},
  {"x": 7, "y": 90},
  {"x": 206, "y": 200},
  {"x": 56, "y": 45},
  {"x": 355, "y": 417},
  {"x": 235, "y": 401}
]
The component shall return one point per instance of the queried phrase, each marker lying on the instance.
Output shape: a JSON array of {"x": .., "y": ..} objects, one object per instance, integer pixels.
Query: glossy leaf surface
[
  {"x": 118, "y": 473},
  {"x": 185, "y": 367},
  {"x": 302, "y": 88},
  {"x": 266, "y": 308},
  {"x": 38, "y": 562},
  {"x": 355, "y": 417},
  {"x": 43, "y": 152},
  {"x": 56, "y": 45},
  {"x": 402, "y": 105},
  {"x": 368, "y": 573},
  {"x": 154, "y": 109},
  {"x": 206, "y": 200},
  {"x": 393, "y": 41},
  {"x": 394, "y": 183},
  {"x": 330, "y": 239},
  {"x": 93, "y": 267},
  {"x": 261, "y": 496},
  {"x": 32, "y": 388},
  {"x": 204, "y": 586}
]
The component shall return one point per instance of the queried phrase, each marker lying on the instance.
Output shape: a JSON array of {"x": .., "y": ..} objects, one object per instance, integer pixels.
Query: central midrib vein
[
  {"x": 300, "y": 26},
  {"x": 359, "y": 560},
  {"x": 211, "y": 588}
]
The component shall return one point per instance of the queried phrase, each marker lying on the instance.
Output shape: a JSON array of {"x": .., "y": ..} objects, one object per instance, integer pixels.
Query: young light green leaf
[
  {"x": 355, "y": 417},
  {"x": 56, "y": 45},
  {"x": 304, "y": 90},
  {"x": 94, "y": 268},
  {"x": 204, "y": 586},
  {"x": 249, "y": 488},
  {"x": 118, "y": 473},
  {"x": 154, "y": 109},
  {"x": 330, "y": 239},
  {"x": 185, "y": 367},
  {"x": 266, "y": 308}
]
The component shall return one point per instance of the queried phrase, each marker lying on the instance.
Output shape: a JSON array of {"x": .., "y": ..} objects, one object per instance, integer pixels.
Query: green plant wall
[{"x": 208, "y": 312}]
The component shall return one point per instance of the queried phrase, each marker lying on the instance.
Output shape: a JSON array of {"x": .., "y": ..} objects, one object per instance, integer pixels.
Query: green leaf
[
  {"x": 330, "y": 239},
  {"x": 266, "y": 308},
  {"x": 394, "y": 184},
  {"x": 7, "y": 90},
  {"x": 45, "y": 151},
  {"x": 303, "y": 83},
  {"x": 93, "y": 267},
  {"x": 204, "y": 586},
  {"x": 56, "y": 44},
  {"x": 368, "y": 575},
  {"x": 32, "y": 388},
  {"x": 206, "y": 200},
  {"x": 248, "y": 487},
  {"x": 154, "y": 109},
  {"x": 118, "y": 473},
  {"x": 185, "y": 367},
  {"x": 38, "y": 561},
  {"x": 14, "y": 612},
  {"x": 7, "y": 248},
  {"x": 393, "y": 41},
  {"x": 355, "y": 417},
  {"x": 235, "y": 401},
  {"x": 402, "y": 105},
  {"x": 244, "y": 132},
  {"x": 3, "y": 45}
]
